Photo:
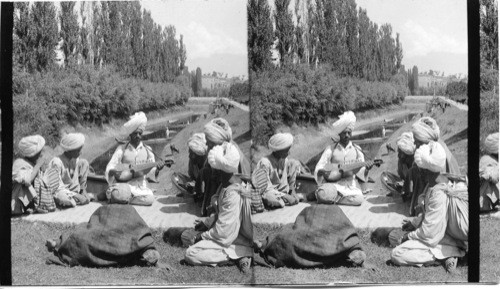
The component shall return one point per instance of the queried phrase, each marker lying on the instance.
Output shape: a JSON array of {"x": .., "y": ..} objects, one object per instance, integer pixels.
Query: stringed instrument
[
  {"x": 335, "y": 172},
  {"x": 126, "y": 172}
]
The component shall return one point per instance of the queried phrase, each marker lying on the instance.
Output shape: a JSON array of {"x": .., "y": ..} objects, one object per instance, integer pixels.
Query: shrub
[
  {"x": 303, "y": 95},
  {"x": 43, "y": 103}
]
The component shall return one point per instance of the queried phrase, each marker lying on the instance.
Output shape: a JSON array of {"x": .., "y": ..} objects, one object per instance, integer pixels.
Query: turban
[
  {"x": 426, "y": 129},
  {"x": 72, "y": 141},
  {"x": 198, "y": 144},
  {"x": 218, "y": 131},
  {"x": 491, "y": 144},
  {"x": 406, "y": 143},
  {"x": 346, "y": 121},
  {"x": 136, "y": 122},
  {"x": 431, "y": 156},
  {"x": 224, "y": 157},
  {"x": 280, "y": 141},
  {"x": 31, "y": 145}
]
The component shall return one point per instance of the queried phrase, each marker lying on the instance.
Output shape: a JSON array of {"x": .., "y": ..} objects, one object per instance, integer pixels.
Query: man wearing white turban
[
  {"x": 425, "y": 130},
  {"x": 135, "y": 191},
  {"x": 440, "y": 237},
  {"x": 228, "y": 236},
  {"x": 276, "y": 173},
  {"x": 25, "y": 170},
  {"x": 488, "y": 173},
  {"x": 345, "y": 191},
  {"x": 197, "y": 145},
  {"x": 217, "y": 131},
  {"x": 72, "y": 171}
]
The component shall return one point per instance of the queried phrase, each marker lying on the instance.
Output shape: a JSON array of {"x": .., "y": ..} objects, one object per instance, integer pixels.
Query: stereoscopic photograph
[{"x": 250, "y": 142}]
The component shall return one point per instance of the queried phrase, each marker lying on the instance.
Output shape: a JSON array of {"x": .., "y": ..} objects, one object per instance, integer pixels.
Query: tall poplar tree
[
  {"x": 260, "y": 35},
  {"x": 69, "y": 32},
  {"x": 284, "y": 32},
  {"x": 43, "y": 36}
]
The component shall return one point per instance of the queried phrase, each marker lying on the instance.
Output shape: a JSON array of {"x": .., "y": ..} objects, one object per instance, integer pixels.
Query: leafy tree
[
  {"x": 415, "y": 79},
  {"x": 199, "y": 86},
  {"x": 69, "y": 32},
  {"x": 489, "y": 33},
  {"x": 182, "y": 53},
  {"x": 21, "y": 39},
  {"x": 260, "y": 35},
  {"x": 398, "y": 52},
  {"x": 136, "y": 39},
  {"x": 85, "y": 40},
  {"x": 284, "y": 31},
  {"x": 43, "y": 36}
]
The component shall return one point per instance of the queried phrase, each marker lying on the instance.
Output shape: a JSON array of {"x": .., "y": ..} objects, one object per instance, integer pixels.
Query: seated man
[
  {"x": 277, "y": 173},
  {"x": 72, "y": 171},
  {"x": 406, "y": 149},
  {"x": 341, "y": 187},
  {"x": 425, "y": 130},
  {"x": 441, "y": 236},
  {"x": 197, "y": 145},
  {"x": 218, "y": 131},
  {"x": 229, "y": 238},
  {"x": 25, "y": 170},
  {"x": 125, "y": 185},
  {"x": 488, "y": 173}
]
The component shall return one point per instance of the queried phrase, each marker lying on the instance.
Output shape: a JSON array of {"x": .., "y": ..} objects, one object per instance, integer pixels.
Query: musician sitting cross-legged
[
  {"x": 339, "y": 185},
  {"x": 131, "y": 162}
]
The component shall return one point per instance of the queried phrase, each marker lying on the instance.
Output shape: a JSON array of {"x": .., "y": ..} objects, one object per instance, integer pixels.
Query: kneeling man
[
  {"x": 229, "y": 237},
  {"x": 442, "y": 234}
]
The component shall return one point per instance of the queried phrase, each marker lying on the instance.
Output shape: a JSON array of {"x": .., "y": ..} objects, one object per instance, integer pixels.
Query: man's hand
[
  {"x": 160, "y": 166},
  {"x": 408, "y": 226},
  {"x": 197, "y": 238},
  {"x": 200, "y": 226},
  {"x": 405, "y": 238}
]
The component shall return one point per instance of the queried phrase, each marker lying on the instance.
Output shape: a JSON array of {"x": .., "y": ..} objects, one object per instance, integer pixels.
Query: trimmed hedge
[
  {"x": 303, "y": 95},
  {"x": 43, "y": 103}
]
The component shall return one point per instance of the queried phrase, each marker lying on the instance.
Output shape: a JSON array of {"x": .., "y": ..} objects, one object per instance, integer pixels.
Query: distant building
[
  {"x": 211, "y": 82},
  {"x": 428, "y": 81}
]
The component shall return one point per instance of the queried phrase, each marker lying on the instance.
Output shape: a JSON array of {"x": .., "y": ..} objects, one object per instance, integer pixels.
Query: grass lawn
[
  {"x": 29, "y": 268},
  {"x": 489, "y": 270}
]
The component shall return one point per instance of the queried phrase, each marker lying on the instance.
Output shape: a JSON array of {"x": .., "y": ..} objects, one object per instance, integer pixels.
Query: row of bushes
[
  {"x": 43, "y": 103},
  {"x": 305, "y": 95},
  {"x": 489, "y": 104}
]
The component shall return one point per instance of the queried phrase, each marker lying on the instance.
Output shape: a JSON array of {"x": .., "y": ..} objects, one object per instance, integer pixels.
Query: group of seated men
[
  {"x": 40, "y": 187},
  {"x": 437, "y": 235}
]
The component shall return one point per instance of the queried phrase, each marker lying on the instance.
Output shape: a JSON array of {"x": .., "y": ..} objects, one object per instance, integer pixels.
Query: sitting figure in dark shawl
[
  {"x": 488, "y": 173},
  {"x": 197, "y": 145},
  {"x": 322, "y": 236},
  {"x": 115, "y": 236}
]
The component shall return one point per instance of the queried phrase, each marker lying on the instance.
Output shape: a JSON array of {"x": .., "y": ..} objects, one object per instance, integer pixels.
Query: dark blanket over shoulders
[
  {"x": 322, "y": 235},
  {"x": 115, "y": 235}
]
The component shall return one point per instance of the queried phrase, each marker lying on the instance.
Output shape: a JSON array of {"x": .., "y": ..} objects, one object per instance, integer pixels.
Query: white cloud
[
  {"x": 204, "y": 42},
  {"x": 419, "y": 41}
]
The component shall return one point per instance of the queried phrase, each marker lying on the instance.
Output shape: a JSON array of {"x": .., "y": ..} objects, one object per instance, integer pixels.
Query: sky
[
  {"x": 214, "y": 32},
  {"x": 433, "y": 32}
]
